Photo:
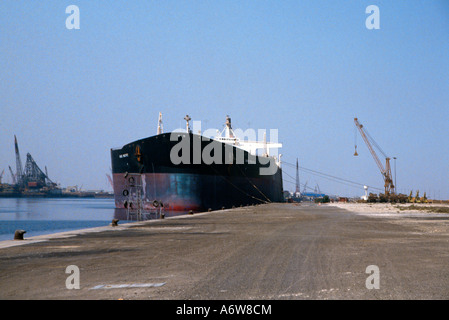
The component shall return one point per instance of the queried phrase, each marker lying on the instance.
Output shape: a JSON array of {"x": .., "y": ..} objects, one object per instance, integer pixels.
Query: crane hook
[{"x": 355, "y": 152}]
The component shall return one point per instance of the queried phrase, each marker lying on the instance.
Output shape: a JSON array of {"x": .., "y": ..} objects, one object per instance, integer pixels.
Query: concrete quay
[{"x": 265, "y": 252}]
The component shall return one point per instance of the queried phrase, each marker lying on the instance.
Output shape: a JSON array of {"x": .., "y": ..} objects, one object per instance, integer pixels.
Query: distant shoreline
[{"x": 39, "y": 195}]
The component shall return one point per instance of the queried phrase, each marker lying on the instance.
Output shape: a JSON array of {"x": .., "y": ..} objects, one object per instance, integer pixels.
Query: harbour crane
[
  {"x": 19, "y": 169},
  {"x": 110, "y": 181},
  {"x": 13, "y": 176},
  {"x": 304, "y": 189},
  {"x": 386, "y": 172}
]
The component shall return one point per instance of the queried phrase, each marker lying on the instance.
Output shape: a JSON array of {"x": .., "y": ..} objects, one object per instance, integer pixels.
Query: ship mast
[
  {"x": 187, "y": 119},
  {"x": 227, "y": 136},
  {"x": 229, "y": 133},
  {"x": 265, "y": 146},
  {"x": 159, "y": 124}
]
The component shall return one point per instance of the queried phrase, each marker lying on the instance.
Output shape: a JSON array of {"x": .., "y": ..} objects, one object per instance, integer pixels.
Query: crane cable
[
  {"x": 375, "y": 143},
  {"x": 295, "y": 182},
  {"x": 255, "y": 187},
  {"x": 230, "y": 182},
  {"x": 328, "y": 176}
]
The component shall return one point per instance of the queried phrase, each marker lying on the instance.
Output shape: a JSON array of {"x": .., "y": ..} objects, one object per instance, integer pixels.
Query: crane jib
[{"x": 386, "y": 172}]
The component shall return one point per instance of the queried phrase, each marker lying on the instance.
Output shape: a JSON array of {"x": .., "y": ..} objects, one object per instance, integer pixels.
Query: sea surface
[{"x": 39, "y": 216}]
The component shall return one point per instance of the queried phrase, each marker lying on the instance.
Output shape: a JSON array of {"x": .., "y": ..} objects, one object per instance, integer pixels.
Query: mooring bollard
[
  {"x": 190, "y": 211},
  {"x": 162, "y": 215},
  {"x": 114, "y": 222},
  {"x": 209, "y": 209},
  {"x": 18, "y": 235}
]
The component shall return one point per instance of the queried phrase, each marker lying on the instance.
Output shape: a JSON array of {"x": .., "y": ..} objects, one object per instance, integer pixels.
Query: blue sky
[{"x": 306, "y": 68}]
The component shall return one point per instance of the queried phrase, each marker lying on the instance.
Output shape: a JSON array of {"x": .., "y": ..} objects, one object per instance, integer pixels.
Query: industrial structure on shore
[{"x": 31, "y": 181}]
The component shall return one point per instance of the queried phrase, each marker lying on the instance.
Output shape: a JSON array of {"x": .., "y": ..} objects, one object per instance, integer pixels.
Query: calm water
[{"x": 44, "y": 216}]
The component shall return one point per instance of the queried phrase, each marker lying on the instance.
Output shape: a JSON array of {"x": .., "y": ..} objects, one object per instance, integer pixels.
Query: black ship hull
[{"x": 190, "y": 172}]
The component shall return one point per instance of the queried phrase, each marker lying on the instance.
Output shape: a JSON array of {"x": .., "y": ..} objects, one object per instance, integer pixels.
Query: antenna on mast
[{"x": 265, "y": 148}]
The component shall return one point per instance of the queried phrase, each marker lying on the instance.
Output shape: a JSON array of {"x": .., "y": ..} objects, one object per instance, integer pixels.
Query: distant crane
[
  {"x": 110, "y": 180},
  {"x": 33, "y": 176},
  {"x": 19, "y": 170},
  {"x": 386, "y": 172},
  {"x": 304, "y": 189},
  {"x": 1, "y": 176},
  {"x": 30, "y": 176},
  {"x": 13, "y": 176},
  {"x": 317, "y": 189}
]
